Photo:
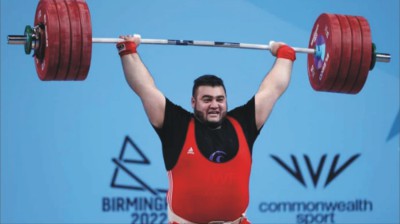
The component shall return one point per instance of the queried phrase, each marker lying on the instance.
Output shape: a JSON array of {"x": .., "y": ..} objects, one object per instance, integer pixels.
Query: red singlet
[{"x": 201, "y": 190}]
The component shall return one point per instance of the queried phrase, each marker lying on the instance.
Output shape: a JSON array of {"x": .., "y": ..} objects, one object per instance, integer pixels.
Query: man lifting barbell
[{"x": 207, "y": 153}]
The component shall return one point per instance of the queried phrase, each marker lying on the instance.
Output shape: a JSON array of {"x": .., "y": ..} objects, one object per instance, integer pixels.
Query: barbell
[{"x": 340, "y": 50}]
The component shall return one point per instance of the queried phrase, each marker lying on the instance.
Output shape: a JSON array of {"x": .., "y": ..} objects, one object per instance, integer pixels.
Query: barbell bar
[
  {"x": 23, "y": 39},
  {"x": 340, "y": 51}
]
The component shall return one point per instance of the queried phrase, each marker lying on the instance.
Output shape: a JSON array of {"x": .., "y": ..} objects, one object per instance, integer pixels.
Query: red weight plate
[
  {"x": 346, "y": 54},
  {"x": 366, "y": 55},
  {"x": 356, "y": 52},
  {"x": 76, "y": 40},
  {"x": 46, "y": 14},
  {"x": 327, "y": 35},
  {"x": 65, "y": 40},
  {"x": 86, "y": 39}
]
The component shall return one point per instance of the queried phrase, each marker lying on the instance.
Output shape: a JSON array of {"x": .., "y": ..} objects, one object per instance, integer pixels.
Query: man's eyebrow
[{"x": 209, "y": 96}]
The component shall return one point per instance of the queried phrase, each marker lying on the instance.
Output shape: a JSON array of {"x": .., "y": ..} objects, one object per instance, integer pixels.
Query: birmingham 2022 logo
[
  {"x": 149, "y": 203},
  {"x": 316, "y": 211}
]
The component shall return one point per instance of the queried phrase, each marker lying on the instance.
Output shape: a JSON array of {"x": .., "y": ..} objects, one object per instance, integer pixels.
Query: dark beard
[{"x": 213, "y": 125}]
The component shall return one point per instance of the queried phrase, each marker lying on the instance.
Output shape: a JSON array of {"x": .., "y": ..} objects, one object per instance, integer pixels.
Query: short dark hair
[{"x": 207, "y": 80}]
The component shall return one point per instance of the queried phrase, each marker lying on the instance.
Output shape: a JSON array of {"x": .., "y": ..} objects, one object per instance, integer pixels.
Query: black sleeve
[
  {"x": 246, "y": 116},
  {"x": 173, "y": 132}
]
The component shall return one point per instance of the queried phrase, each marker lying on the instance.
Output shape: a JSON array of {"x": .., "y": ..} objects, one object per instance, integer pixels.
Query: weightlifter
[{"x": 207, "y": 153}]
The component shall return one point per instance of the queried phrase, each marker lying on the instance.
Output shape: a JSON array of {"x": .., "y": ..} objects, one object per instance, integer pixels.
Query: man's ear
[{"x": 193, "y": 101}]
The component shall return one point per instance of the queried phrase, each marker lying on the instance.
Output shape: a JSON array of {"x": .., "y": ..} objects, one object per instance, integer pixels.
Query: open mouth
[{"x": 213, "y": 113}]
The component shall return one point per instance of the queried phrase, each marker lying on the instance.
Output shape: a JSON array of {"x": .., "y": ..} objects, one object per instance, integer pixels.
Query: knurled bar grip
[{"x": 202, "y": 43}]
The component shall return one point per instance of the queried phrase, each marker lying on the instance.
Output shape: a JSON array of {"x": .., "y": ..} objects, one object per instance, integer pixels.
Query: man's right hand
[
  {"x": 275, "y": 46},
  {"x": 135, "y": 38},
  {"x": 129, "y": 45},
  {"x": 282, "y": 50}
]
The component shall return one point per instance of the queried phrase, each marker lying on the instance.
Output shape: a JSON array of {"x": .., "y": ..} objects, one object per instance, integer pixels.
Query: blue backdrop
[{"x": 84, "y": 152}]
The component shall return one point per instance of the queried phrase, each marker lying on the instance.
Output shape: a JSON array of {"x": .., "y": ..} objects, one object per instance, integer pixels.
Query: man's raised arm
[
  {"x": 275, "y": 82},
  {"x": 141, "y": 81}
]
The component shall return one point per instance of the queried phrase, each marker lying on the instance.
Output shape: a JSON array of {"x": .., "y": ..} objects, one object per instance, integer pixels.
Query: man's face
[{"x": 209, "y": 104}]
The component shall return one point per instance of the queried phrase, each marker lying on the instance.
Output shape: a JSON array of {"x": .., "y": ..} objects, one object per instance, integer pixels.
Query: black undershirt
[{"x": 218, "y": 145}]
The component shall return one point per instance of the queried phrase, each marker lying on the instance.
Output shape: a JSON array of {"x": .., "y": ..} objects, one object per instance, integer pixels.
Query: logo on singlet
[
  {"x": 190, "y": 151},
  {"x": 218, "y": 156}
]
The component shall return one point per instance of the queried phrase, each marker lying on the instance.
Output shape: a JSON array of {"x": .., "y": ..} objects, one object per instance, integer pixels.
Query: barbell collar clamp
[{"x": 29, "y": 39}]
